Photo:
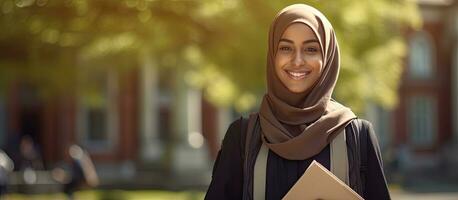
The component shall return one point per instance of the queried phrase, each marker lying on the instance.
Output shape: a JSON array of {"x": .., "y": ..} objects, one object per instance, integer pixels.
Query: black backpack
[{"x": 357, "y": 156}]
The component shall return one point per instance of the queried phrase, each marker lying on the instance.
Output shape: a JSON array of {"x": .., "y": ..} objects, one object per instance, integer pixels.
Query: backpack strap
[
  {"x": 260, "y": 171},
  {"x": 252, "y": 146},
  {"x": 362, "y": 151},
  {"x": 249, "y": 132},
  {"x": 339, "y": 157}
]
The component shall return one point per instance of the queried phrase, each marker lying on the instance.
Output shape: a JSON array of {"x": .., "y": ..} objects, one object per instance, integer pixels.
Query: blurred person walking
[
  {"x": 79, "y": 174},
  {"x": 31, "y": 160}
]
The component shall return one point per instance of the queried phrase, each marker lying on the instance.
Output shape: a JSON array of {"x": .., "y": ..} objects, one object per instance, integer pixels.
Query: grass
[{"x": 114, "y": 195}]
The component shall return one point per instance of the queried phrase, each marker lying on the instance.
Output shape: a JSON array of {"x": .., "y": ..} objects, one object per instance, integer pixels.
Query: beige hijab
[{"x": 316, "y": 117}]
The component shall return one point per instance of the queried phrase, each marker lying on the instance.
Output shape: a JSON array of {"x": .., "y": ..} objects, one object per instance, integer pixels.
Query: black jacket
[{"x": 367, "y": 179}]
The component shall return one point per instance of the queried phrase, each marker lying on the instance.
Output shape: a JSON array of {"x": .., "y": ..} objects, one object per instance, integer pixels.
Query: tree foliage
[{"x": 220, "y": 45}]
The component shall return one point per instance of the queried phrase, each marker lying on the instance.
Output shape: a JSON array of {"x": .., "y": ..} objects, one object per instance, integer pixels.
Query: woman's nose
[{"x": 298, "y": 59}]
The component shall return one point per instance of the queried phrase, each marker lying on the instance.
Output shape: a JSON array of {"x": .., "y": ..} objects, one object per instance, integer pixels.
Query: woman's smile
[{"x": 298, "y": 75}]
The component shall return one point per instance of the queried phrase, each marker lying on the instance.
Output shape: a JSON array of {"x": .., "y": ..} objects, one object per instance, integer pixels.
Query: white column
[
  {"x": 190, "y": 157},
  {"x": 194, "y": 118},
  {"x": 151, "y": 146}
]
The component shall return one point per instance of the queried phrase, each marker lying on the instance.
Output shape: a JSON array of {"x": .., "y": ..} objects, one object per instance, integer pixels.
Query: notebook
[{"x": 317, "y": 182}]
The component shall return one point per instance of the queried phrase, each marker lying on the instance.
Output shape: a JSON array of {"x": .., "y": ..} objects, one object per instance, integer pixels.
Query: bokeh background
[{"x": 147, "y": 88}]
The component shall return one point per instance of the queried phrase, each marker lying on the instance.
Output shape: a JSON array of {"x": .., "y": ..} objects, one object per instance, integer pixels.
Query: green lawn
[{"x": 114, "y": 195}]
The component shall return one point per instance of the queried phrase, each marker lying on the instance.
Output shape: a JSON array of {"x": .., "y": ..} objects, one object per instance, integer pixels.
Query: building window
[
  {"x": 421, "y": 56},
  {"x": 422, "y": 116},
  {"x": 97, "y": 117},
  {"x": 96, "y": 123}
]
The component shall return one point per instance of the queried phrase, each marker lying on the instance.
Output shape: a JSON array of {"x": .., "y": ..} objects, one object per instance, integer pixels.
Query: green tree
[{"x": 221, "y": 45}]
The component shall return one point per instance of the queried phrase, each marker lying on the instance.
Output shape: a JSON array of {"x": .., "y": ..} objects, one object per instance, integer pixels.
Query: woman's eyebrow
[{"x": 305, "y": 42}]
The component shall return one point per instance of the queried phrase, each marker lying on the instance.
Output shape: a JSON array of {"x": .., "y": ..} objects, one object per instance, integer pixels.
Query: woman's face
[{"x": 298, "y": 61}]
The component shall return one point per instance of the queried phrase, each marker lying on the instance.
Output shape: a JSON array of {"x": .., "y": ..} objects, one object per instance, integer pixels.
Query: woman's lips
[{"x": 297, "y": 75}]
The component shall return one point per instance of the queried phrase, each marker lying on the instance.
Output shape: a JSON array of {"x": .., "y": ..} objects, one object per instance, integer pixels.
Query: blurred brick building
[
  {"x": 134, "y": 122},
  {"x": 421, "y": 133}
]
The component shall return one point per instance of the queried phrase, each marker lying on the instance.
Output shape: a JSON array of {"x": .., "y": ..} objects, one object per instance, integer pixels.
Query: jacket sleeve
[
  {"x": 227, "y": 176},
  {"x": 375, "y": 186}
]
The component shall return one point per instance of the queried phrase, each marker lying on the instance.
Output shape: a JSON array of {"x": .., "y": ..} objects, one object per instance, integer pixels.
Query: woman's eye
[
  {"x": 285, "y": 48},
  {"x": 311, "y": 49}
]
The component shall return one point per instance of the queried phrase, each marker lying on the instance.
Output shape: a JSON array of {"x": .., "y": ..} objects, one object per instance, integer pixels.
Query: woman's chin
[{"x": 297, "y": 89}]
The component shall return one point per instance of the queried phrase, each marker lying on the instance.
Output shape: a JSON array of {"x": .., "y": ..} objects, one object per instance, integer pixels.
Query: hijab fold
[{"x": 318, "y": 117}]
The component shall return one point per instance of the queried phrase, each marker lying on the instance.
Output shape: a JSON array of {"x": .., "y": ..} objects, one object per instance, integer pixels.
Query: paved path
[{"x": 403, "y": 195}]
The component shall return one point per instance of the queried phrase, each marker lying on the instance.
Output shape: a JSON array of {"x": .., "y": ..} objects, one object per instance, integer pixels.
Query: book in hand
[{"x": 317, "y": 182}]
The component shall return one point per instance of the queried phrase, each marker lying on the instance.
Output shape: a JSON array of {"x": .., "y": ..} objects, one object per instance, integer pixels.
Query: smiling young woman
[
  {"x": 298, "y": 122},
  {"x": 298, "y": 61}
]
